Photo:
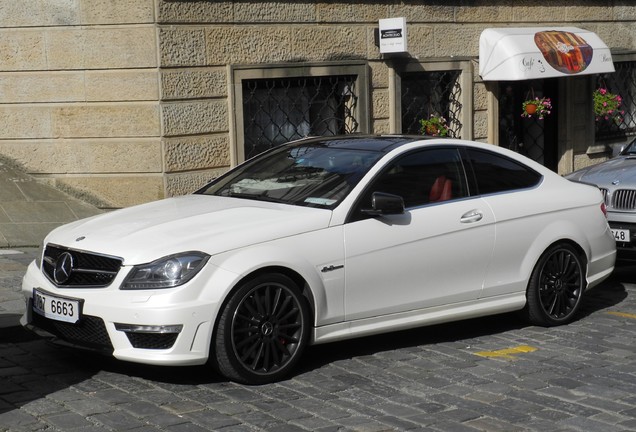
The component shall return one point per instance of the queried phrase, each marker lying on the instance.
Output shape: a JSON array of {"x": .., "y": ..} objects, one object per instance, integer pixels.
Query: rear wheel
[
  {"x": 262, "y": 331},
  {"x": 556, "y": 286}
]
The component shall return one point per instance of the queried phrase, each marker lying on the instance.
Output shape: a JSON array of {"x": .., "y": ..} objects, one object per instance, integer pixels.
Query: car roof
[
  {"x": 379, "y": 143},
  {"x": 387, "y": 143}
]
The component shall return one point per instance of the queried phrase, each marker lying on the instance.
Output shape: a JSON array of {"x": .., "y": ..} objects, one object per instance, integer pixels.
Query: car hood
[
  {"x": 204, "y": 223},
  {"x": 621, "y": 169}
]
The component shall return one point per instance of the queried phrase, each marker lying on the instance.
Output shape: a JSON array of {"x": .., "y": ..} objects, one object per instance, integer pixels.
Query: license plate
[
  {"x": 621, "y": 235},
  {"x": 56, "y": 308}
]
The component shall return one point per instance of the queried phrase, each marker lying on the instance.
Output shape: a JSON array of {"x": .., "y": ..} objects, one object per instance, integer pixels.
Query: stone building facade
[{"x": 122, "y": 102}]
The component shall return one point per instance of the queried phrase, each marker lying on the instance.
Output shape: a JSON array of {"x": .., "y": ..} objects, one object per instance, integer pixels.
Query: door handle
[{"x": 471, "y": 216}]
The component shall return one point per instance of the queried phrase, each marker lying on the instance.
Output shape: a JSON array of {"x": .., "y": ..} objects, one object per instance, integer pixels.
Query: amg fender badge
[{"x": 326, "y": 269}]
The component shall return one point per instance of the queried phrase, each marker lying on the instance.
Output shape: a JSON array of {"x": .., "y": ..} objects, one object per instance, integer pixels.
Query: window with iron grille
[
  {"x": 279, "y": 110},
  {"x": 277, "y": 103},
  {"x": 622, "y": 83},
  {"x": 426, "y": 94}
]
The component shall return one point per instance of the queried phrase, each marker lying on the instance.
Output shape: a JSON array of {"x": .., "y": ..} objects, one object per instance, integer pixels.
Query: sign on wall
[{"x": 393, "y": 35}]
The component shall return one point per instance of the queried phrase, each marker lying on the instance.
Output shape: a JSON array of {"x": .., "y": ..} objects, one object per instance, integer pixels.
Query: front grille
[
  {"x": 605, "y": 193},
  {"x": 152, "y": 340},
  {"x": 88, "y": 270},
  {"x": 89, "y": 332},
  {"x": 624, "y": 199}
]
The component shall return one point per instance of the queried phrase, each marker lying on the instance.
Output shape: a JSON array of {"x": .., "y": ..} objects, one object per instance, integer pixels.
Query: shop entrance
[{"x": 531, "y": 136}]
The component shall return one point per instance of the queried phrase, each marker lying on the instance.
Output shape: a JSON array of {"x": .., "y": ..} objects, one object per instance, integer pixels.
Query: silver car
[{"x": 617, "y": 180}]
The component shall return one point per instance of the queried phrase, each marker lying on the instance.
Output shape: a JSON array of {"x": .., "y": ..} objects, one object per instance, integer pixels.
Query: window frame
[
  {"x": 628, "y": 133},
  {"x": 239, "y": 73},
  {"x": 462, "y": 64}
]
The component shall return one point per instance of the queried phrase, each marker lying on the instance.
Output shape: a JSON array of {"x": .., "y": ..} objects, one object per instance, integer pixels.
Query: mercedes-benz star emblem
[{"x": 63, "y": 268}]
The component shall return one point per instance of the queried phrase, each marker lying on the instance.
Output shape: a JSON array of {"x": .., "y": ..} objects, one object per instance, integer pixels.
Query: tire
[
  {"x": 556, "y": 286},
  {"x": 262, "y": 331}
]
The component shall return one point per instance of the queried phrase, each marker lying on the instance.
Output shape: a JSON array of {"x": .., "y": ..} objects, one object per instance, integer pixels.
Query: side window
[
  {"x": 422, "y": 177},
  {"x": 495, "y": 173}
]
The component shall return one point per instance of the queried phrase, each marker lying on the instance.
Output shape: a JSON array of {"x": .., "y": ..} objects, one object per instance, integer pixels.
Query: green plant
[
  {"x": 537, "y": 107},
  {"x": 434, "y": 126},
  {"x": 607, "y": 105}
]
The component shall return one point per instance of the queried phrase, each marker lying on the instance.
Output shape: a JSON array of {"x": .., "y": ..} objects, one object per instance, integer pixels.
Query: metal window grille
[
  {"x": 623, "y": 83},
  {"x": 279, "y": 110},
  {"x": 426, "y": 94}
]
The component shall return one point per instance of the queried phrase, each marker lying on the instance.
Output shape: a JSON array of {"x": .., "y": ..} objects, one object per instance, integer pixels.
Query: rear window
[{"x": 495, "y": 173}]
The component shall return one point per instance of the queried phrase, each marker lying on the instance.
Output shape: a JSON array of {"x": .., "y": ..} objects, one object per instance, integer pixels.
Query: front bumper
[{"x": 162, "y": 327}]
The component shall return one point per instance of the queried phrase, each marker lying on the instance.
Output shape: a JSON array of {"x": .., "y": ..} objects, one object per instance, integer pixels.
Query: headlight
[{"x": 167, "y": 272}]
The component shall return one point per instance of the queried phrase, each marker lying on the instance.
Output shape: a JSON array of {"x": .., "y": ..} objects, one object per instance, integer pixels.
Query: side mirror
[{"x": 385, "y": 204}]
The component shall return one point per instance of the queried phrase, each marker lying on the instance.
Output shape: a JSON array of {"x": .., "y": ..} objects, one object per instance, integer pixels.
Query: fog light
[{"x": 138, "y": 328}]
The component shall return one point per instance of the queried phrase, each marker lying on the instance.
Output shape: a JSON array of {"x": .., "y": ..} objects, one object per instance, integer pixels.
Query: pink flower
[{"x": 602, "y": 91}]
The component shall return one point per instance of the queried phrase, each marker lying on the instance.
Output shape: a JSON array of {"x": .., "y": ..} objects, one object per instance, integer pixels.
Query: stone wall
[
  {"x": 125, "y": 101},
  {"x": 79, "y": 96}
]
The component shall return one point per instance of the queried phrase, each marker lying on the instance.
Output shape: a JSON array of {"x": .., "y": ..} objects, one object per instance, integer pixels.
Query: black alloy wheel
[
  {"x": 556, "y": 286},
  {"x": 262, "y": 330}
]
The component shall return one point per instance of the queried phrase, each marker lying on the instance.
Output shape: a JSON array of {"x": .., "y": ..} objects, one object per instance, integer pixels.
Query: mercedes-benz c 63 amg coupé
[{"x": 320, "y": 240}]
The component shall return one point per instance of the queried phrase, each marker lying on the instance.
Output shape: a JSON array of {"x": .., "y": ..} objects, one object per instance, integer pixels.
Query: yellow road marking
[
  {"x": 508, "y": 353},
  {"x": 623, "y": 315}
]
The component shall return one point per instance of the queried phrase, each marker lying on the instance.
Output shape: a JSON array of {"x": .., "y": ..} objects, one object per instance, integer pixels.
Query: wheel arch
[
  {"x": 565, "y": 240},
  {"x": 287, "y": 271},
  {"x": 295, "y": 276},
  {"x": 552, "y": 234}
]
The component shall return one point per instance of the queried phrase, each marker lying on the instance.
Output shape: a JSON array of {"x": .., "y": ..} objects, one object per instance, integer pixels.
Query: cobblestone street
[{"x": 492, "y": 374}]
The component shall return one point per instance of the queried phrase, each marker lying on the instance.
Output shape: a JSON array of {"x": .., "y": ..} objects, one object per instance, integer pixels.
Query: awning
[{"x": 522, "y": 53}]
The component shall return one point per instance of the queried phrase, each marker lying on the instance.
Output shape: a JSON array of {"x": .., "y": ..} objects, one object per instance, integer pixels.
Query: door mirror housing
[{"x": 383, "y": 204}]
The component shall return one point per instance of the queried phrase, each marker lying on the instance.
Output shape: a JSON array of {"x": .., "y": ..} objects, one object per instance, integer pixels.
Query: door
[
  {"x": 531, "y": 136},
  {"x": 436, "y": 253}
]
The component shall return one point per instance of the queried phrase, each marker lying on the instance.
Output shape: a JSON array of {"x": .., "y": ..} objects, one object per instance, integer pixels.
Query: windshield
[
  {"x": 630, "y": 149},
  {"x": 314, "y": 175}
]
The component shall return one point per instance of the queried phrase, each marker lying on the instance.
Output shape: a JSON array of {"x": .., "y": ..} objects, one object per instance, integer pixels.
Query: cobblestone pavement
[{"x": 492, "y": 374}]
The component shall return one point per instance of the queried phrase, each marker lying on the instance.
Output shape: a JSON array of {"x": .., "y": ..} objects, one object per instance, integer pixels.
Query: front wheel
[
  {"x": 262, "y": 331},
  {"x": 556, "y": 286}
]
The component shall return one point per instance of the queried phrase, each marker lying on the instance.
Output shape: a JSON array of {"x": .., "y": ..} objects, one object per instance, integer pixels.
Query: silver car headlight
[{"x": 167, "y": 272}]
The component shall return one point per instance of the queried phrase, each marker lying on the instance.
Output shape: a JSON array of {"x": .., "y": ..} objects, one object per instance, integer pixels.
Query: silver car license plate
[{"x": 622, "y": 235}]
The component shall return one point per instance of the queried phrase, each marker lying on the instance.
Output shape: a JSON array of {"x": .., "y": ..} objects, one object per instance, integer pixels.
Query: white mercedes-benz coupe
[{"x": 319, "y": 240}]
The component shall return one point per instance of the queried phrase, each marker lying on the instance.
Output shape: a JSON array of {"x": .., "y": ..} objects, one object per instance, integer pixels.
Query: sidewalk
[
  {"x": 13, "y": 264},
  {"x": 30, "y": 209}
]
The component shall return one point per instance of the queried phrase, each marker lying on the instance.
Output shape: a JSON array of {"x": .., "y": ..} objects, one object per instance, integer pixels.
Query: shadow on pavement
[{"x": 31, "y": 368}]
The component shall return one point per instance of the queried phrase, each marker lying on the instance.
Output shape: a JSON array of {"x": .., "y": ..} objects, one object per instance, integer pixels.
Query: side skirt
[{"x": 419, "y": 318}]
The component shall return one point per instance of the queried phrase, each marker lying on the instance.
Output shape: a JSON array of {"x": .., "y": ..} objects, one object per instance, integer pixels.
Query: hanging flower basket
[
  {"x": 537, "y": 107},
  {"x": 607, "y": 106},
  {"x": 434, "y": 126}
]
